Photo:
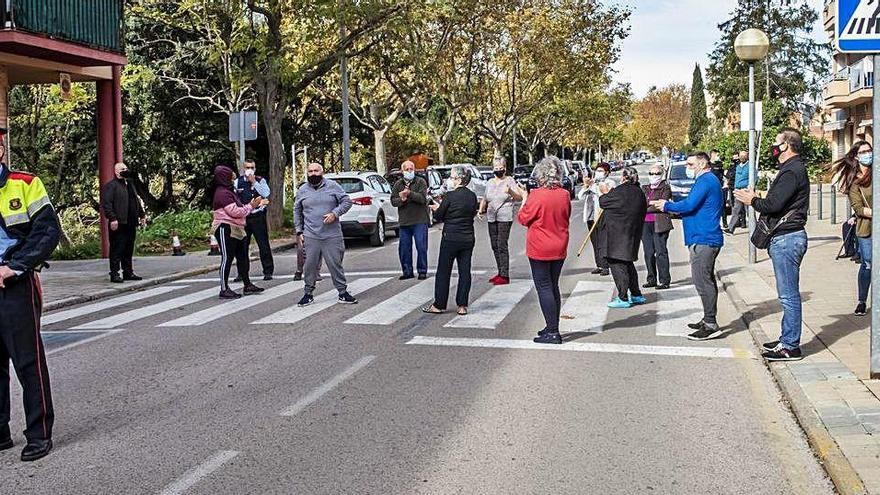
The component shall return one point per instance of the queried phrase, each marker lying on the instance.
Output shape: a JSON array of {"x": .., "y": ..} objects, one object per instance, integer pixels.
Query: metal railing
[{"x": 96, "y": 23}]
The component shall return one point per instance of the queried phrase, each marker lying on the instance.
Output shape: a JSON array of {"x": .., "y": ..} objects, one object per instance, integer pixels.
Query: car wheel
[{"x": 378, "y": 237}]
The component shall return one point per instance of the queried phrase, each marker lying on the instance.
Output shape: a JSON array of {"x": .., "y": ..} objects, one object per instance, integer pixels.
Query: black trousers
[
  {"x": 460, "y": 253},
  {"x": 595, "y": 240},
  {"x": 232, "y": 249},
  {"x": 625, "y": 277},
  {"x": 499, "y": 237},
  {"x": 122, "y": 248},
  {"x": 258, "y": 228},
  {"x": 21, "y": 303},
  {"x": 656, "y": 254},
  {"x": 546, "y": 277}
]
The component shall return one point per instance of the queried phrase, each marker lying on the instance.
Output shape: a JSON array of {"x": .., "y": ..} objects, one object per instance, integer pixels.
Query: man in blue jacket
[
  {"x": 701, "y": 215},
  {"x": 741, "y": 181}
]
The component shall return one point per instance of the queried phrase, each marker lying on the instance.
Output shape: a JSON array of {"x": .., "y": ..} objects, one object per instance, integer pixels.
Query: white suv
[
  {"x": 371, "y": 215},
  {"x": 477, "y": 183}
]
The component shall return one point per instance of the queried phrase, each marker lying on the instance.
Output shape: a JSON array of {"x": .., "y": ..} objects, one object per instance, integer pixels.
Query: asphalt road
[{"x": 177, "y": 392}]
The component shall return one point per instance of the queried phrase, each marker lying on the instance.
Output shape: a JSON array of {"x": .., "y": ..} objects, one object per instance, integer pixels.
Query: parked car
[
  {"x": 678, "y": 180},
  {"x": 487, "y": 173},
  {"x": 372, "y": 214},
  {"x": 580, "y": 168},
  {"x": 432, "y": 177},
  {"x": 477, "y": 184},
  {"x": 522, "y": 174}
]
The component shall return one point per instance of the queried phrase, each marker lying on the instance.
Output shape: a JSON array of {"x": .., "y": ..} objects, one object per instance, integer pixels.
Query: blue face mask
[
  {"x": 409, "y": 175},
  {"x": 866, "y": 159}
]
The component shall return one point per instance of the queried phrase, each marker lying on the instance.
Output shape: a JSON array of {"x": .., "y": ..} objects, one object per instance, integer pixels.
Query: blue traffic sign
[{"x": 858, "y": 26}]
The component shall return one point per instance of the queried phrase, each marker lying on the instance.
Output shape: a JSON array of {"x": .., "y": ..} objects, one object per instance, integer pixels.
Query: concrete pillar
[{"x": 109, "y": 113}]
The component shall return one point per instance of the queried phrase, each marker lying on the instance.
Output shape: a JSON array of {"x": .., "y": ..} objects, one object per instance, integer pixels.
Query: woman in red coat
[{"x": 546, "y": 212}]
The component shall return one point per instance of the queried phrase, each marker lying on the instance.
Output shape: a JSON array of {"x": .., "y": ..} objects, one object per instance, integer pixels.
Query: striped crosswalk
[
  {"x": 231, "y": 307},
  {"x": 489, "y": 310},
  {"x": 586, "y": 308},
  {"x": 675, "y": 309},
  {"x": 295, "y": 314},
  {"x": 397, "y": 307},
  {"x": 145, "y": 312}
]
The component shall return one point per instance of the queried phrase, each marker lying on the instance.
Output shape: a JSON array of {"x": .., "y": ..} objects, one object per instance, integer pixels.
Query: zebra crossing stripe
[
  {"x": 675, "y": 309},
  {"x": 227, "y": 308},
  {"x": 586, "y": 308},
  {"x": 323, "y": 301},
  {"x": 89, "y": 309},
  {"x": 490, "y": 310},
  {"x": 391, "y": 310},
  {"x": 121, "y": 319}
]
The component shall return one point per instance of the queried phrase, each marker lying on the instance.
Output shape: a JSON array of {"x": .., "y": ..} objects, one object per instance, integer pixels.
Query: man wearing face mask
[
  {"x": 319, "y": 204},
  {"x": 701, "y": 218},
  {"x": 784, "y": 212},
  {"x": 247, "y": 187},
  {"x": 741, "y": 181},
  {"x": 410, "y": 196},
  {"x": 124, "y": 212}
]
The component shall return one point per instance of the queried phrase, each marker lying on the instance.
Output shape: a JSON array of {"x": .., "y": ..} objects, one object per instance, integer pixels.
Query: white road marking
[
  {"x": 705, "y": 352},
  {"x": 376, "y": 273},
  {"x": 675, "y": 309},
  {"x": 334, "y": 382},
  {"x": 227, "y": 308},
  {"x": 391, "y": 310},
  {"x": 107, "y": 304},
  {"x": 586, "y": 309},
  {"x": 63, "y": 332},
  {"x": 151, "y": 310},
  {"x": 323, "y": 301},
  {"x": 490, "y": 310},
  {"x": 198, "y": 473},
  {"x": 104, "y": 333}
]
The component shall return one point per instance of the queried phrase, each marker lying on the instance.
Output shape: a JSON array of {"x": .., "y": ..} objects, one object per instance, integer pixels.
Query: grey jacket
[{"x": 312, "y": 203}]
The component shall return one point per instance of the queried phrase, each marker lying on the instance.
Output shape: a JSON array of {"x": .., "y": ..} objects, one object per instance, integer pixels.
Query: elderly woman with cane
[
  {"x": 545, "y": 212},
  {"x": 623, "y": 219}
]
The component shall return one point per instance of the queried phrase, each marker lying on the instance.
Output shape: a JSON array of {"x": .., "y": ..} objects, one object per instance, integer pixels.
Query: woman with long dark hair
[{"x": 853, "y": 177}]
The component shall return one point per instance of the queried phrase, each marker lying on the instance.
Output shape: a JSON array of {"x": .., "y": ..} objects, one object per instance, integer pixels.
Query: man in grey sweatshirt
[{"x": 319, "y": 204}]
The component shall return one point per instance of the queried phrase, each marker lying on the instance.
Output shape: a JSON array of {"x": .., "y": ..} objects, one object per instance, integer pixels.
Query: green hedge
[{"x": 192, "y": 227}]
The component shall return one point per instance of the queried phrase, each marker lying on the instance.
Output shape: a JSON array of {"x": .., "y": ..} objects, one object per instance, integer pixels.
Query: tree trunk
[
  {"x": 441, "y": 151},
  {"x": 379, "y": 146},
  {"x": 497, "y": 148},
  {"x": 531, "y": 158},
  {"x": 273, "y": 105}
]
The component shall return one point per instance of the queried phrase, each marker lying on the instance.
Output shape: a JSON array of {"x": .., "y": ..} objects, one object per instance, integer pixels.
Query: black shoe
[
  {"x": 861, "y": 310},
  {"x": 596, "y": 271},
  {"x": 6, "y": 442},
  {"x": 306, "y": 300},
  {"x": 406, "y": 276},
  {"x": 649, "y": 285},
  {"x": 548, "y": 338},
  {"x": 268, "y": 277},
  {"x": 229, "y": 294},
  {"x": 132, "y": 276},
  {"x": 783, "y": 354},
  {"x": 346, "y": 298},
  {"x": 237, "y": 279},
  {"x": 36, "y": 449},
  {"x": 604, "y": 272},
  {"x": 115, "y": 278},
  {"x": 706, "y": 333},
  {"x": 252, "y": 289},
  {"x": 696, "y": 326},
  {"x": 662, "y": 287},
  {"x": 543, "y": 332},
  {"x": 423, "y": 276},
  {"x": 297, "y": 276},
  {"x": 770, "y": 345}
]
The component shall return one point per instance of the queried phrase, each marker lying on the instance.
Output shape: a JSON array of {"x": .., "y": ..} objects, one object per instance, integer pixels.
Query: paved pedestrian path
[
  {"x": 830, "y": 390},
  {"x": 71, "y": 282}
]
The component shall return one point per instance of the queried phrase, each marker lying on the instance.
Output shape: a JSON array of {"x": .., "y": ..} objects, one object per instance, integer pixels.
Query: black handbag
[{"x": 764, "y": 233}]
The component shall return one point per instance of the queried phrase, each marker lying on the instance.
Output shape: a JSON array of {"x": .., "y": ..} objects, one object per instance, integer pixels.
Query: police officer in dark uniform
[
  {"x": 29, "y": 232},
  {"x": 248, "y": 186}
]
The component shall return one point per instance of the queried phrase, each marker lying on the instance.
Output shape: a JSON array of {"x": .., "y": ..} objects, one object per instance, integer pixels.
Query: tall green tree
[
  {"x": 699, "y": 117},
  {"x": 793, "y": 70}
]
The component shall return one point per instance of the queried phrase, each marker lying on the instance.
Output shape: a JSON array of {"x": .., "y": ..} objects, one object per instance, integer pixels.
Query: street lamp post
[{"x": 751, "y": 46}]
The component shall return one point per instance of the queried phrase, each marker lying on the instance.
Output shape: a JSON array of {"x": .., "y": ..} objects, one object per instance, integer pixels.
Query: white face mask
[
  {"x": 450, "y": 183},
  {"x": 691, "y": 173},
  {"x": 249, "y": 172},
  {"x": 600, "y": 175},
  {"x": 655, "y": 179}
]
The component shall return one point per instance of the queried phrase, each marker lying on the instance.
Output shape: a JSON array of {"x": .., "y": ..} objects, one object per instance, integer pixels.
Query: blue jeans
[
  {"x": 787, "y": 252},
  {"x": 865, "y": 269},
  {"x": 407, "y": 234}
]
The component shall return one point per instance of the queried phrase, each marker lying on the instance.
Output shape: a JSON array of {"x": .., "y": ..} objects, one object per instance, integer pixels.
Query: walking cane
[{"x": 590, "y": 234}]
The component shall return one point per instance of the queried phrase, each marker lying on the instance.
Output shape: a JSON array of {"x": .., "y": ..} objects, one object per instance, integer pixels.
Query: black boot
[
  {"x": 115, "y": 278},
  {"x": 36, "y": 449},
  {"x": 548, "y": 338}
]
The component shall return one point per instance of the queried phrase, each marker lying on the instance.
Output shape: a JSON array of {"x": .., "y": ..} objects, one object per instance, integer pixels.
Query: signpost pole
[
  {"x": 753, "y": 172},
  {"x": 875, "y": 235},
  {"x": 240, "y": 137}
]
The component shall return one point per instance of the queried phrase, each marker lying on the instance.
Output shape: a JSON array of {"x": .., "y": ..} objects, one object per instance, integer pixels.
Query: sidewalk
[
  {"x": 830, "y": 390},
  {"x": 66, "y": 283}
]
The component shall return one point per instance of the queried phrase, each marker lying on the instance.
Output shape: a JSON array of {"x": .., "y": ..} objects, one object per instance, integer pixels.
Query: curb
[
  {"x": 164, "y": 279},
  {"x": 844, "y": 476}
]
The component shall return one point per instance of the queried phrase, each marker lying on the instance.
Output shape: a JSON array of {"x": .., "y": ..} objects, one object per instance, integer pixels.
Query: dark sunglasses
[{"x": 655, "y": 173}]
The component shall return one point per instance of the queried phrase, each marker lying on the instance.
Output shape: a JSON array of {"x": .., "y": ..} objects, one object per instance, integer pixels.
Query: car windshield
[
  {"x": 350, "y": 185},
  {"x": 678, "y": 172},
  {"x": 444, "y": 172},
  {"x": 523, "y": 170}
]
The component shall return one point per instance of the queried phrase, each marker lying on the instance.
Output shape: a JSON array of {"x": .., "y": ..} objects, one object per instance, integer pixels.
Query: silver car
[
  {"x": 477, "y": 183},
  {"x": 372, "y": 214}
]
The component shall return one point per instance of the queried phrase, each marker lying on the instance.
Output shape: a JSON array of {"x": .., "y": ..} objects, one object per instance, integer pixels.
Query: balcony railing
[
  {"x": 861, "y": 75},
  {"x": 96, "y": 23}
]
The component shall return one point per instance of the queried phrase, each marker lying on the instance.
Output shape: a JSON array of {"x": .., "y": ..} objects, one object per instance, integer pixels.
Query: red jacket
[{"x": 546, "y": 214}]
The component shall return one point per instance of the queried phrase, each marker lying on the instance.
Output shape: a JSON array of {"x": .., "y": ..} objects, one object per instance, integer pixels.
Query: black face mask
[
  {"x": 125, "y": 174},
  {"x": 499, "y": 173},
  {"x": 315, "y": 179}
]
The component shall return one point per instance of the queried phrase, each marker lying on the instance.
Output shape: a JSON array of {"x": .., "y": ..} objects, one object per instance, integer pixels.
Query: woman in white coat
[{"x": 590, "y": 194}]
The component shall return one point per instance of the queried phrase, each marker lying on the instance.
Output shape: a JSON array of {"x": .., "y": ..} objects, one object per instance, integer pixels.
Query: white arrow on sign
[{"x": 865, "y": 22}]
